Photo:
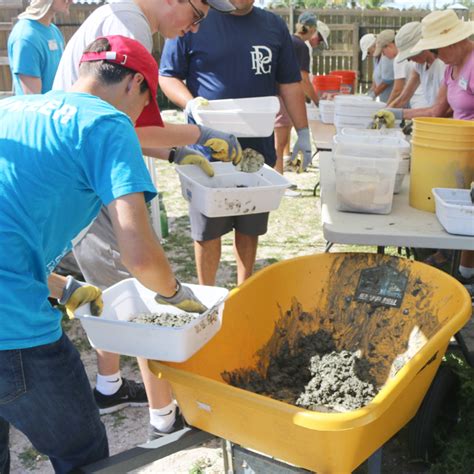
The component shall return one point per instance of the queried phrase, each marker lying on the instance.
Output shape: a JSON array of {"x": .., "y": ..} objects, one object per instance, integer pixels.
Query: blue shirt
[
  {"x": 34, "y": 50},
  {"x": 383, "y": 72},
  {"x": 61, "y": 157},
  {"x": 233, "y": 57}
]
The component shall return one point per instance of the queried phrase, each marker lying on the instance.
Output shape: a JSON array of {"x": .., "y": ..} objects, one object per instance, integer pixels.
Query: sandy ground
[{"x": 288, "y": 236}]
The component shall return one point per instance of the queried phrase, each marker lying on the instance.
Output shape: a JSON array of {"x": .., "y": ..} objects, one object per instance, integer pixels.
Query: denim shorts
[{"x": 45, "y": 394}]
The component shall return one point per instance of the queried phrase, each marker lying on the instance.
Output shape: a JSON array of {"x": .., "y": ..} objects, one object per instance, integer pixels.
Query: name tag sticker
[
  {"x": 53, "y": 45},
  {"x": 463, "y": 83}
]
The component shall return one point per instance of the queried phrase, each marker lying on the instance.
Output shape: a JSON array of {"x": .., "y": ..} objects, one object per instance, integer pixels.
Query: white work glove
[
  {"x": 184, "y": 299},
  {"x": 194, "y": 104},
  {"x": 186, "y": 155},
  {"x": 302, "y": 147},
  {"x": 223, "y": 146}
]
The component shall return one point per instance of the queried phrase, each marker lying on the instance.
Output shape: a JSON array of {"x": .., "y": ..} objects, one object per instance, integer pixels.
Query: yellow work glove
[
  {"x": 386, "y": 118},
  {"x": 224, "y": 146},
  {"x": 185, "y": 155},
  {"x": 76, "y": 293},
  {"x": 184, "y": 299}
]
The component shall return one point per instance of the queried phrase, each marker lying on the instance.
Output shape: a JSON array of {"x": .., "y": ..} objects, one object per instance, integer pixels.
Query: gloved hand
[
  {"x": 303, "y": 146},
  {"x": 184, "y": 299},
  {"x": 193, "y": 104},
  {"x": 186, "y": 155},
  {"x": 76, "y": 293},
  {"x": 224, "y": 146},
  {"x": 387, "y": 117}
]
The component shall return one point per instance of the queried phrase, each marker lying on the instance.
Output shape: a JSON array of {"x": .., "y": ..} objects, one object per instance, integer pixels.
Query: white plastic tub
[
  {"x": 455, "y": 210},
  {"x": 231, "y": 192},
  {"x": 114, "y": 333},
  {"x": 358, "y": 108},
  {"x": 374, "y": 140},
  {"x": 365, "y": 184},
  {"x": 402, "y": 171},
  {"x": 312, "y": 112},
  {"x": 384, "y": 132},
  {"x": 249, "y": 117}
]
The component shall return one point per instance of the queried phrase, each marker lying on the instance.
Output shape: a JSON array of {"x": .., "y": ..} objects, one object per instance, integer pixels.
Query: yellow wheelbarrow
[{"x": 400, "y": 314}]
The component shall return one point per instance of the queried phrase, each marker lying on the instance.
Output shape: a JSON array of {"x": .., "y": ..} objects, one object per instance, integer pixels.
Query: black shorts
[{"x": 209, "y": 228}]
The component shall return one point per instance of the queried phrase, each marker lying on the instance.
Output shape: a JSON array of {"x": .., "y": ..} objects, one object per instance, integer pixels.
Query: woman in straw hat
[
  {"x": 35, "y": 46},
  {"x": 445, "y": 35}
]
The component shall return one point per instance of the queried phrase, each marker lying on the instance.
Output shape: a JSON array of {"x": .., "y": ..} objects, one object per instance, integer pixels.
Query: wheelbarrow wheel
[{"x": 437, "y": 414}]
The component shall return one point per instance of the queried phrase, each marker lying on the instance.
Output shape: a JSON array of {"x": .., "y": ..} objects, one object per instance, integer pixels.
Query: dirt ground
[{"x": 288, "y": 236}]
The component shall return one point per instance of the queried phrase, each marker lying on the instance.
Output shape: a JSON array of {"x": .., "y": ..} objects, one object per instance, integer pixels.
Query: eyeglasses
[
  {"x": 434, "y": 51},
  {"x": 200, "y": 15}
]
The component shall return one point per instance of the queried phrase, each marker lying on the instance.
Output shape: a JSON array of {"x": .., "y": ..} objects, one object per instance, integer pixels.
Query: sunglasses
[
  {"x": 199, "y": 14},
  {"x": 434, "y": 51}
]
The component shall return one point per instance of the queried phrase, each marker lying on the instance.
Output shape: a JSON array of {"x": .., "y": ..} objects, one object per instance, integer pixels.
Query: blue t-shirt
[
  {"x": 62, "y": 155},
  {"x": 233, "y": 57},
  {"x": 34, "y": 50}
]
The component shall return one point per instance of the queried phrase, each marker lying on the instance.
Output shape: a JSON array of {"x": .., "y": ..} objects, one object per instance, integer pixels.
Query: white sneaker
[{"x": 291, "y": 193}]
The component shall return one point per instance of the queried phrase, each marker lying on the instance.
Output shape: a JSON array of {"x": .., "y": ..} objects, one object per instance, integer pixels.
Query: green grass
[{"x": 30, "y": 457}]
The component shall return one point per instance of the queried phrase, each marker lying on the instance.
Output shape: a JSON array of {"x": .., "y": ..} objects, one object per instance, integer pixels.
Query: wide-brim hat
[
  {"x": 406, "y": 38},
  {"x": 133, "y": 55},
  {"x": 324, "y": 31},
  {"x": 223, "y": 6},
  {"x": 365, "y": 43},
  {"x": 36, "y": 10},
  {"x": 442, "y": 28},
  {"x": 384, "y": 38}
]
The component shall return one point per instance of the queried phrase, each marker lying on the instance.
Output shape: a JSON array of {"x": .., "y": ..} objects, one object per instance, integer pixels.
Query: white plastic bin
[
  {"x": 231, "y": 192},
  {"x": 455, "y": 210},
  {"x": 312, "y": 112},
  {"x": 248, "y": 117},
  {"x": 114, "y": 333},
  {"x": 389, "y": 132},
  {"x": 365, "y": 184},
  {"x": 376, "y": 140}
]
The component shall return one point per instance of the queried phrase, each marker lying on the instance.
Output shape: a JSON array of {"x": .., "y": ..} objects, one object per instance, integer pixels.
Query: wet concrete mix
[
  {"x": 162, "y": 319},
  {"x": 313, "y": 375}
]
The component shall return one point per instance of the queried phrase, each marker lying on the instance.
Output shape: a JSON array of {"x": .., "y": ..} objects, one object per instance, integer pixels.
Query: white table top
[
  {"x": 405, "y": 226},
  {"x": 323, "y": 134}
]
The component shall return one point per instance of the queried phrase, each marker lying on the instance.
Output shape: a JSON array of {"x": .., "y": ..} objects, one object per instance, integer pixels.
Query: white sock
[
  {"x": 466, "y": 272},
  {"x": 163, "y": 418},
  {"x": 108, "y": 384}
]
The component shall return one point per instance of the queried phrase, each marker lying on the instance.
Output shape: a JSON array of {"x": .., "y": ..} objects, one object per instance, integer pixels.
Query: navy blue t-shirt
[
  {"x": 302, "y": 53},
  {"x": 233, "y": 57}
]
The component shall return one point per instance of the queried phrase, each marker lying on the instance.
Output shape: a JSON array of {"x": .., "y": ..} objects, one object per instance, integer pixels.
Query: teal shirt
[
  {"x": 62, "y": 156},
  {"x": 34, "y": 50}
]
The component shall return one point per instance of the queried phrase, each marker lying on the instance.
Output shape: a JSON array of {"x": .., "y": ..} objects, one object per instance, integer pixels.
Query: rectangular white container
[
  {"x": 455, "y": 210},
  {"x": 230, "y": 192},
  {"x": 113, "y": 332},
  {"x": 365, "y": 184},
  {"x": 248, "y": 117}
]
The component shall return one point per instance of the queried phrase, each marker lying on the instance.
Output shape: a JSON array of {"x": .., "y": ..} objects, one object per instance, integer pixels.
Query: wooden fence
[{"x": 347, "y": 27}]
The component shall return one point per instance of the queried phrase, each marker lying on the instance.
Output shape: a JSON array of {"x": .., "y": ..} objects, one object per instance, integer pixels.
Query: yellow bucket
[
  {"x": 443, "y": 139},
  {"x": 444, "y": 126},
  {"x": 438, "y": 167},
  {"x": 300, "y": 296}
]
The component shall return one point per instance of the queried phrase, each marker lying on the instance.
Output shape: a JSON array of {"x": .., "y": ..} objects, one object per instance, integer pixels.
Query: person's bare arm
[
  {"x": 308, "y": 87},
  {"x": 176, "y": 91},
  {"x": 293, "y": 97},
  {"x": 439, "y": 109},
  {"x": 140, "y": 250},
  {"x": 398, "y": 85},
  {"x": 170, "y": 135},
  {"x": 407, "y": 92},
  {"x": 30, "y": 84},
  {"x": 379, "y": 88},
  {"x": 56, "y": 285}
]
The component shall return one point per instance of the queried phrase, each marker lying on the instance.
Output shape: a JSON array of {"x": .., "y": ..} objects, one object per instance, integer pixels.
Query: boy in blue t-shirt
[
  {"x": 35, "y": 46},
  {"x": 63, "y": 156},
  {"x": 248, "y": 53}
]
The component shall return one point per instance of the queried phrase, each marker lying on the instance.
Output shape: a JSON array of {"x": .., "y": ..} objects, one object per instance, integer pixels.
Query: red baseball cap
[{"x": 133, "y": 55}]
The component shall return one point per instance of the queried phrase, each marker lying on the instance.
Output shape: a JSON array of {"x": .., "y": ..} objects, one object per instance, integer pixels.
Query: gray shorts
[{"x": 208, "y": 228}]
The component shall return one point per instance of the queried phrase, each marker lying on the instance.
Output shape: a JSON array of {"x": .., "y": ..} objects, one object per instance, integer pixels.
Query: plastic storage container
[
  {"x": 326, "y": 110},
  {"x": 381, "y": 142},
  {"x": 383, "y": 132},
  {"x": 312, "y": 112},
  {"x": 113, "y": 332},
  {"x": 365, "y": 184},
  {"x": 231, "y": 192},
  {"x": 249, "y": 117},
  {"x": 454, "y": 210}
]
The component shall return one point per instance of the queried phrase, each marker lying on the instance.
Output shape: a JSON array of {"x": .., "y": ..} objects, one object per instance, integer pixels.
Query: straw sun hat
[{"x": 442, "y": 28}]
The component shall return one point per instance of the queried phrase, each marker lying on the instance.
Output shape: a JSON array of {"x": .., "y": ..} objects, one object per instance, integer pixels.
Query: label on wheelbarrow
[{"x": 382, "y": 286}]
